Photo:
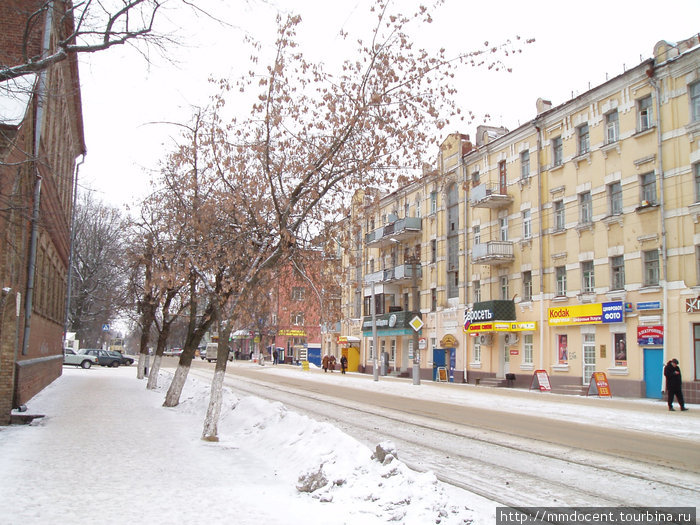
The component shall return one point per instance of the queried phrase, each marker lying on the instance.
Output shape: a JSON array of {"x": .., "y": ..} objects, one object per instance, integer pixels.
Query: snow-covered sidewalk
[{"x": 108, "y": 452}]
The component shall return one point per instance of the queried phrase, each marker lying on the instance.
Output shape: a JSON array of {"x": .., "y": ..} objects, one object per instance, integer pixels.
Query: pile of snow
[{"x": 327, "y": 466}]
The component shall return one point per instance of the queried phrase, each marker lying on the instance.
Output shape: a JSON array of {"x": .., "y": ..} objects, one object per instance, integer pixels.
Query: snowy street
[{"x": 105, "y": 436}]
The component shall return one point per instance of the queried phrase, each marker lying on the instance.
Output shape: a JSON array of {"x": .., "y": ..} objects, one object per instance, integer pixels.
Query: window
[
  {"x": 651, "y": 267},
  {"x": 617, "y": 267},
  {"x": 527, "y": 349},
  {"x": 586, "y": 205},
  {"x": 433, "y": 202},
  {"x": 433, "y": 250},
  {"x": 648, "y": 185},
  {"x": 503, "y": 227},
  {"x": 612, "y": 127},
  {"x": 527, "y": 286},
  {"x": 694, "y": 90},
  {"x": 696, "y": 171},
  {"x": 504, "y": 287},
  {"x": 392, "y": 356},
  {"x": 524, "y": 165},
  {"x": 615, "y": 197},
  {"x": 557, "y": 151},
  {"x": 561, "y": 280},
  {"x": 476, "y": 230},
  {"x": 418, "y": 203},
  {"x": 433, "y": 299},
  {"x": 298, "y": 318},
  {"x": 297, "y": 293},
  {"x": 405, "y": 301},
  {"x": 527, "y": 224},
  {"x": 477, "y": 291},
  {"x": 476, "y": 358},
  {"x": 584, "y": 142},
  {"x": 645, "y": 114},
  {"x": 588, "y": 275},
  {"x": 559, "y": 223},
  {"x": 475, "y": 178}
]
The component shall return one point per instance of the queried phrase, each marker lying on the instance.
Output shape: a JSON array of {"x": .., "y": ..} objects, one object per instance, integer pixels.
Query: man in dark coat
[{"x": 673, "y": 384}]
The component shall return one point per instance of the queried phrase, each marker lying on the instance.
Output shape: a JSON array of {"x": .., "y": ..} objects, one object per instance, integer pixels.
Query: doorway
[{"x": 653, "y": 372}]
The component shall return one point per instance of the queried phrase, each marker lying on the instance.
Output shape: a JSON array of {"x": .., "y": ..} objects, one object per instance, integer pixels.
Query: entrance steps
[
  {"x": 493, "y": 382},
  {"x": 571, "y": 390}
]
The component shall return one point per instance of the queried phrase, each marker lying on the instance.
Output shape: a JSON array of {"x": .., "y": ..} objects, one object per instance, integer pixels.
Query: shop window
[{"x": 528, "y": 349}]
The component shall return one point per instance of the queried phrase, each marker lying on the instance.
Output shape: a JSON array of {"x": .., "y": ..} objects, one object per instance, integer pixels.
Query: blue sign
[
  {"x": 105, "y": 328},
  {"x": 613, "y": 312},
  {"x": 649, "y": 305}
]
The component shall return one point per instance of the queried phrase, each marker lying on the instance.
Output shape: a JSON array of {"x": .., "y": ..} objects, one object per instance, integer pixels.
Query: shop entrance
[
  {"x": 444, "y": 357},
  {"x": 653, "y": 371}
]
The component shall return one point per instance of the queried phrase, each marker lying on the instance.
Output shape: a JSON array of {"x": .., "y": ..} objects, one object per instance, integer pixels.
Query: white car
[{"x": 83, "y": 360}]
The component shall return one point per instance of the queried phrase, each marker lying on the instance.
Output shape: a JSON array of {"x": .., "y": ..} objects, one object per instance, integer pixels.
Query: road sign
[
  {"x": 416, "y": 323},
  {"x": 105, "y": 327}
]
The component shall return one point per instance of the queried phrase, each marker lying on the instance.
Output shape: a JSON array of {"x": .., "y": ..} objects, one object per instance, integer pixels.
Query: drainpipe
[
  {"x": 662, "y": 209},
  {"x": 41, "y": 89},
  {"x": 465, "y": 186},
  {"x": 539, "y": 205},
  {"x": 72, "y": 246}
]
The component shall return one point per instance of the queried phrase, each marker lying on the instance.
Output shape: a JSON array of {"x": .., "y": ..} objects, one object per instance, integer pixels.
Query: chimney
[{"x": 543, "y": 105}]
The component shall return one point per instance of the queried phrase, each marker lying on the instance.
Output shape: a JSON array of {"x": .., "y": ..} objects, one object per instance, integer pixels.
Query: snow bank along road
[{"x": 509, "y": 457}]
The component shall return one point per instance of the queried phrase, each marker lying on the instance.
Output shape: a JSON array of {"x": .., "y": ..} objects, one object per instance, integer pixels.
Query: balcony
[
  {"x": 397, "y": 230},
  {"x": 397, "y": 275},
  {"x": 493, "y": 252},
  {"x": 490, "y": 195}
]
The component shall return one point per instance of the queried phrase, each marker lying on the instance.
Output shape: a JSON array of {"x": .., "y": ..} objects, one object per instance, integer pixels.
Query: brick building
[{"x": 41, "y": 137}]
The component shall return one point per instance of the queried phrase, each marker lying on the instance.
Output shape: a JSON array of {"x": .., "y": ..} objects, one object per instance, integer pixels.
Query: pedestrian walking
[
  {"x": 331, "y": 363},
  {"x": 324, "y": 362},
  {"x": 673, "y": 384},
  {"x": 343, "y": 364}
]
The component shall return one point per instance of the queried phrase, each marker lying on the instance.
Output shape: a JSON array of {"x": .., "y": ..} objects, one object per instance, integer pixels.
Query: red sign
[
  {"x": 650, "y": 335},
  {"x": 540, "y": 380},
  {"x": 514, "y": 351},
  {"x": 599, "y": 385}
]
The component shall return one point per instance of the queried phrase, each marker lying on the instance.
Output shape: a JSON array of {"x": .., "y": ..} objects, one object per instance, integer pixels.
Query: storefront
[
  {"x": 581, "y": 336},
  {"x": 500, "y": 345},
  {"x": 395, "y": 335}
]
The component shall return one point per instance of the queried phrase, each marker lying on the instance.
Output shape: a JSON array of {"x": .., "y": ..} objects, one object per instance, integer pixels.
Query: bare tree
[
  {"x": 88, "y": 26},
  {"x": 98, "y": 294}
]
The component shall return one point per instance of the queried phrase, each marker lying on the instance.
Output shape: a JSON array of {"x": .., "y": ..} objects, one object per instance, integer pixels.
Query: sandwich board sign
[
  {"x": 540, "y": 381},
  {"x": 599, "y": 385}
]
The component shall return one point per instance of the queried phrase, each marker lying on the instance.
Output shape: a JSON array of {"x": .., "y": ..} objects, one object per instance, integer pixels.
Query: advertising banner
[
  {"x": 577, "y": 314},
  {"x": 650, "y": 335}
]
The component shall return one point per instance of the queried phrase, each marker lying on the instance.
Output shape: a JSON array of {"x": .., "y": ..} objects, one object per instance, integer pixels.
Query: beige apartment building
[{"x": 570, "y": 245}]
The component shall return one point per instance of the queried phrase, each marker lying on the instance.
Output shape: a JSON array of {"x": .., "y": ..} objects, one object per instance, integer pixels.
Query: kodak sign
[{"x": 597, "y": 313}]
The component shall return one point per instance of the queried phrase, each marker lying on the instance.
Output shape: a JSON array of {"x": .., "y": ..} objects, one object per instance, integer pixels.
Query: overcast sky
[{"x": 578, "y": 45}]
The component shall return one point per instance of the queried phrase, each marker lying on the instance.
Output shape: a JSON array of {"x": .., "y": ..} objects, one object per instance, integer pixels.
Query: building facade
[
  {"x": 41, "y": 137},
  {"x": 569, "y": 245}
]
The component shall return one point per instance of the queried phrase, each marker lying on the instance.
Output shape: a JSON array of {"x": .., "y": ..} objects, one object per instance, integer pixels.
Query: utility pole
[
  {"x": 374, "y": 334},
  {"x": 416, "y": 308}
]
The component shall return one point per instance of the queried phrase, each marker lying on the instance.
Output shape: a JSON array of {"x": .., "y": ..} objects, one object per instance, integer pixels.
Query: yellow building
[{"x": 582, "y": 244}]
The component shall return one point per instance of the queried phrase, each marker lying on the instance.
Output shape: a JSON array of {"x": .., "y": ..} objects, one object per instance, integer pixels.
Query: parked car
[
  {"x": 124, "y": 359},
  {"x": 210, "y": 352},
  {"x": 82, "y": 360},
  {"x": 105, "y": 357}
]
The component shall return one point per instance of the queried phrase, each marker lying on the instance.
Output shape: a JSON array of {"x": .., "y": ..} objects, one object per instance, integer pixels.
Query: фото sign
[{"x": 597, "y": 313}]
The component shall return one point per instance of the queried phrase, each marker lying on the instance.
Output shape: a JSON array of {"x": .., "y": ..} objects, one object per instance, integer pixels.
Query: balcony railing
[
  {"x": 403, "y": 272},
  {"x": 489, "y": 195},
  {"x": 395, "y": 231},
  {"x": 493, "y": 252}
]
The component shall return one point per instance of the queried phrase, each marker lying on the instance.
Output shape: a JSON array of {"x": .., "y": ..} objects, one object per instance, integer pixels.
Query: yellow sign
[
  {"x": 449, "y": 341},
  {"x": 502, "y": 326},
  {"x": 293, "y": 333}
]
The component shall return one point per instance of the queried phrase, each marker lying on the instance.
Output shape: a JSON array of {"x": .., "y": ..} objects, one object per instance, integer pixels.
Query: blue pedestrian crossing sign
[{"x": 105, "y": 328}]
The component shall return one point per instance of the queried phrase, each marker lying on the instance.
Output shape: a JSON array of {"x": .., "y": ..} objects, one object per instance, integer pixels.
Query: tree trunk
[
  {"x": 211, "y": 421},
  {"x": 172, "y": 398},
  {"x": 153, "y": 374}
]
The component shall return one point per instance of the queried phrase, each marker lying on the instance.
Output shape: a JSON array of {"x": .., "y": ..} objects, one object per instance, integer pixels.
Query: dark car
[
  {"x": 107, "y": 357},
  {"x": 124, "y": 359}
]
